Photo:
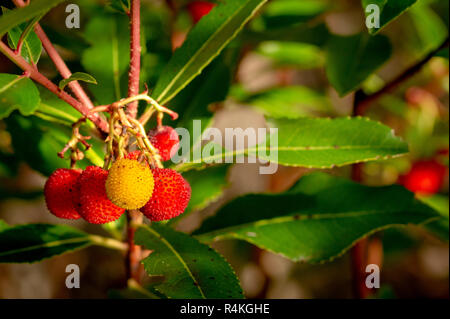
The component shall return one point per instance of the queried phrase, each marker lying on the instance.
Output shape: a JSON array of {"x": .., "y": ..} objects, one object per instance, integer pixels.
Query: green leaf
[
  {"x": 211, "y": 86},
  {"x": 316, "y": 34},
  {"x": 38, "y": 145},
  {"x": 189, "y": 269},
  {"x": 318, "y": 220},
  {"x": 290, "y": 102},
  {"x": 15, "y": 17},
  {"x": 8, "y": 165},
  {"x": 440, "y": 204},
  {"x": 193, "y": 142},
  {"x": 389, "y": 10},
  {"x": 70, "y": 39},
  {"x": 347, "y": 71},
  {"x": 286, "y": 13},
  {"x": 3, "y": 225},
  {"x": 120, "y": 5},
  {"x": 77, "y": 76},
  {"x": 440, "y": 228},
  {"x": 31, "y": 45},
  {"x": 34, "y": 242},
  {"x": 429, "y": 28},
  {"x": 95, "y": 155},
  {"x": 55, "y": 110},
  {"x": 316, "y": 143},
  {"x": 17, "y": 92},
  {"x": 108, "y": 57},
  {"x": 30, "y": 26},
  {"x": 207, "y": 185},
  {"x": 294, "y": 54},
  {"x": 441, "y": 8},
  {"x": 205, "y": 41},
  {"x": 444, "y": 53},
  {"x": 398, "y": 241},
  {"x": 324, "y": 142}
]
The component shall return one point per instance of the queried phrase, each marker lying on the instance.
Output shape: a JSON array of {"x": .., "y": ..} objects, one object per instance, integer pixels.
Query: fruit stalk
[{"x": 134, "y": 252}]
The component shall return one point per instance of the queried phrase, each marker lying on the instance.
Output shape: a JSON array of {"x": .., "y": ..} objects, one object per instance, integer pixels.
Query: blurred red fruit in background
[
  {"x": 424, "y": 177},
  {"x": 198, "y": 9}
]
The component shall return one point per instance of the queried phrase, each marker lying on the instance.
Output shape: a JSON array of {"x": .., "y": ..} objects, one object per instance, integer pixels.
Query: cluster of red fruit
[{"x": 159, "y": 193}]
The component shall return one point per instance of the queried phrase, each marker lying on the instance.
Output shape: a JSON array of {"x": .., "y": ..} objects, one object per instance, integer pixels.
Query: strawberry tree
[{"x": 104, "y": 135}]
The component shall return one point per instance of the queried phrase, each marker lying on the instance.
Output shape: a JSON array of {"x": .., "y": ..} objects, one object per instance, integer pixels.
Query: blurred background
[{"x": 270, "y": 68}]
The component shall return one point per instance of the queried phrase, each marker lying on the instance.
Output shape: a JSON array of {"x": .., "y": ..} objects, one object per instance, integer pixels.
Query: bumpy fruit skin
[
  {"x": 95, "y": 207},
  {"x": 170, "y": 196},
  {"x": 129, "y": 184},
  {"x": 166, "y": 141},
  {"x": 62, "y": 193},
  {"x": 424, "y": 177},
  {"x": 198, "y": 9}
]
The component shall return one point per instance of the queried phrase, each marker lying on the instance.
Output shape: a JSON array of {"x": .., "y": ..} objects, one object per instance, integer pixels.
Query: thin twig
[
  {"x": 135, "y": 55},
  {"x": 59, "y": 62},
  {"x": 362, "y": 100},
  {"x": 74, "y": 86},
  {"x": 35, "y": 75},
  {"x": 76, "y": 154},
  {"x": 358, "y": 252}
]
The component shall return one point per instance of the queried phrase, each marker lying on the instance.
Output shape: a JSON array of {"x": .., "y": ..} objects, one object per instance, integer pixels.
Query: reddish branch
[
  {"x": 362, "y": 100},
  {"x": 368, "y": 250},
  {"x": 58, "y": 61},
  {"x": 359, "y": 263},
  {"x": 133, "y": 256},
  {"x": 358, "y": 252},
  {"x": 135, "y": 55},
  {"x": 62, "y": 67},
  {"x": 134, "y": 252},
  {"x": 34, "y": 74}
]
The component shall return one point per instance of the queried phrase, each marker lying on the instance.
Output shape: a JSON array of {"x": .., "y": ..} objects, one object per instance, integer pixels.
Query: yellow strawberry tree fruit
[{"x": 129, "y": 184}]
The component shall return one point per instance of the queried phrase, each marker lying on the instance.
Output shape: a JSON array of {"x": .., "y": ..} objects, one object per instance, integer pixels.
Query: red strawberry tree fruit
[{"x": 103, "y": 132}]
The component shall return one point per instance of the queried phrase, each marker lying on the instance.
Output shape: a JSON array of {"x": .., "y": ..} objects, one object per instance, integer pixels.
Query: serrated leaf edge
[
  {"x": 162, "y": 99},
  {"x": 305, "y": 259},
  {"x": 212, "y": 249}
]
